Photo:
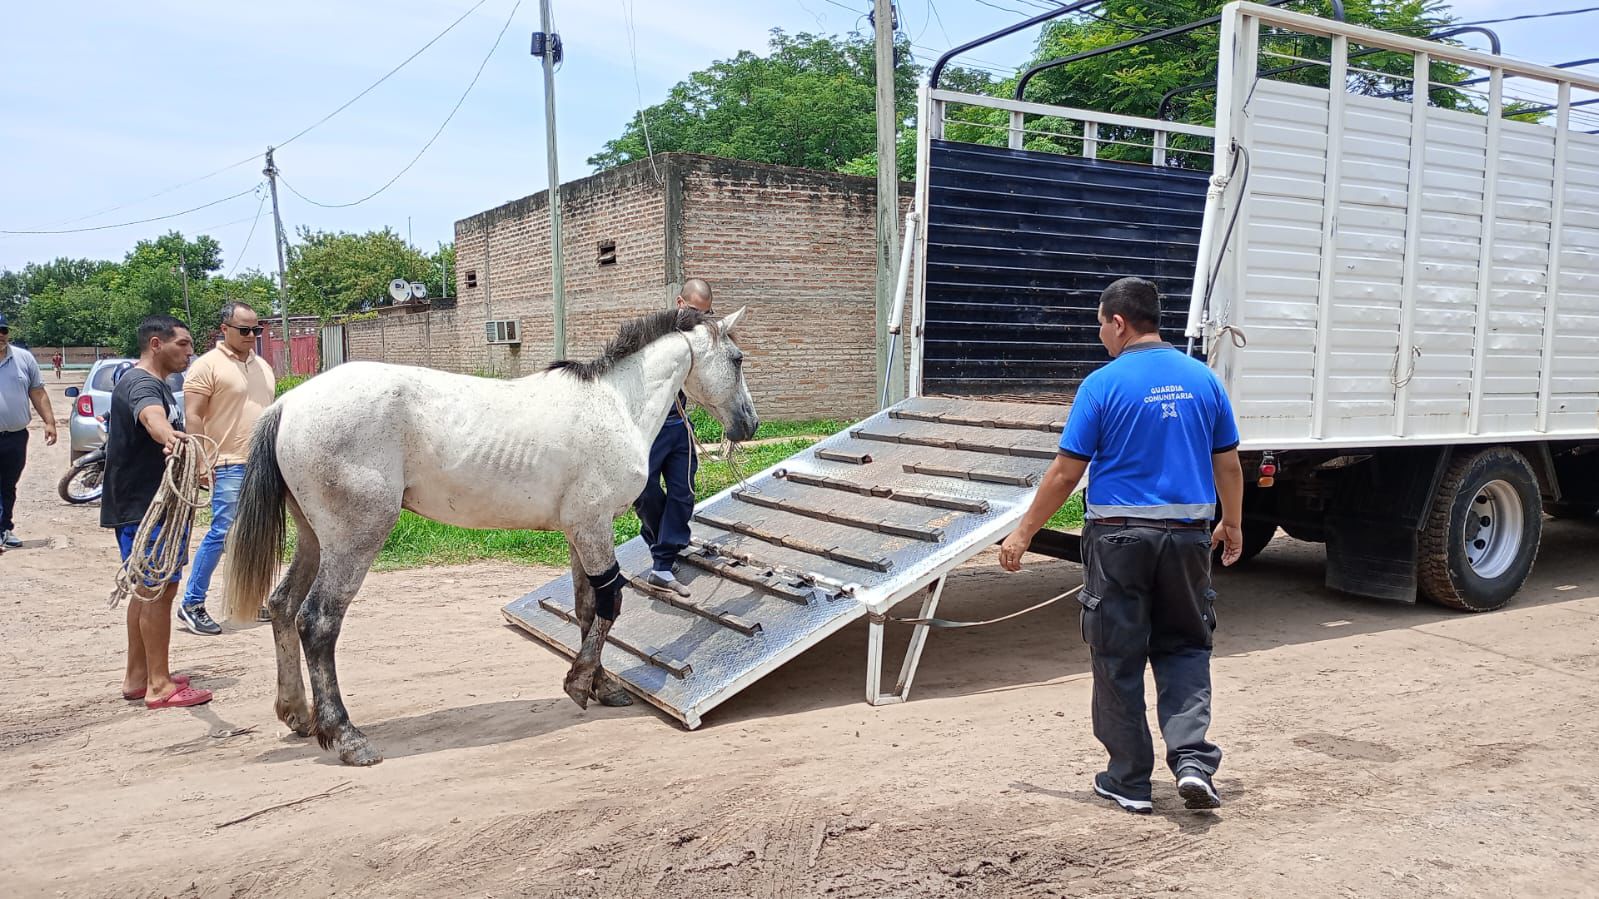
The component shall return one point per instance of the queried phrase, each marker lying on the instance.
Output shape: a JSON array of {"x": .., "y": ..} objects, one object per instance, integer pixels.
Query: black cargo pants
[{"x": 1147, "y": 597}]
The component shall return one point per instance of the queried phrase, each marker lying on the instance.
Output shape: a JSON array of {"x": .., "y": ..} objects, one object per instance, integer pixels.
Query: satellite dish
[
  {"x": 400, "y": 290},
  {"x": 419, "y": 290}
]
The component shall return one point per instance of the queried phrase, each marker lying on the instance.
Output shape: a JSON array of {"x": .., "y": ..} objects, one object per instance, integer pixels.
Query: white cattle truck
[
  {"x": 1387, "y": 248},
  {"x": 1399, "y": 287}
]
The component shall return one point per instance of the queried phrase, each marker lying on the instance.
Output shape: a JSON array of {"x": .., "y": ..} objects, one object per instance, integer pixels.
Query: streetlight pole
[
  {"x": 183, "y": 267},
  {"x": 550, "y": 49},
  {"x": 271, "y": 171}
]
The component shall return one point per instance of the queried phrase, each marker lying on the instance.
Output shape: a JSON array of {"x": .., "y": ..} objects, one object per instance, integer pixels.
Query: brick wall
[{"x": 796, "y": 246}]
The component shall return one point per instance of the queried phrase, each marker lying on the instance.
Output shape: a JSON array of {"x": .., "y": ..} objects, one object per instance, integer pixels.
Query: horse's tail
[{"x": 255, "y": 544}]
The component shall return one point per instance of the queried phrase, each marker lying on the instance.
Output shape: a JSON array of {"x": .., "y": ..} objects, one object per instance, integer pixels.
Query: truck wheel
[
  {"x": 1571, "y": 510},
  {"x": 1256, "y": 535},
  {"x": 1482, "y": 532}
]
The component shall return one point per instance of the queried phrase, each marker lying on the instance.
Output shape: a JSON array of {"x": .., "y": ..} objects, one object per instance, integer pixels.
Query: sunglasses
[
  {"x": 254, "y": 332},
  {"x": 4, "y": 330}
]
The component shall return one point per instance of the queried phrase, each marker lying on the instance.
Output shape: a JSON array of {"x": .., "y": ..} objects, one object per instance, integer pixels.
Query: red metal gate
[{"x": 303, "y": 349}]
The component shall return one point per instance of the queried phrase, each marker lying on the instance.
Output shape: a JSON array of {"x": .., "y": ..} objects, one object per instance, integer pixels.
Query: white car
[{"x": 93, "y": 402}]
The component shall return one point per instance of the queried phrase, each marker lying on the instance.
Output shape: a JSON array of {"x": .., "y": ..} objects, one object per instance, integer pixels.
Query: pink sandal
[
  {"x": 182, "y": 680},
  {"x": 183, "y": 698}
]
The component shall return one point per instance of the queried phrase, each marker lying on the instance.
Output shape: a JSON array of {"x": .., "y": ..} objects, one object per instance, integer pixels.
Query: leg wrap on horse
[{"x": 607, "y": 590}]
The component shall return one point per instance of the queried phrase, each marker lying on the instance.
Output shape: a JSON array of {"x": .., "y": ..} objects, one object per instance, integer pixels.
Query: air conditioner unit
[{"x": 502, "y": 331}]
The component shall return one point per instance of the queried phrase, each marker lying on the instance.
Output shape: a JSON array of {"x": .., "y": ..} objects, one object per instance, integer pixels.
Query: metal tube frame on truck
[{"x": 1402, "y": 298}]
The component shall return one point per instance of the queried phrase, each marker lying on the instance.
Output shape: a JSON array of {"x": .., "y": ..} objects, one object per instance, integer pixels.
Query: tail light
[
  {"x": 86, "y": 405},
  {"x": 1268, "y": 471}
]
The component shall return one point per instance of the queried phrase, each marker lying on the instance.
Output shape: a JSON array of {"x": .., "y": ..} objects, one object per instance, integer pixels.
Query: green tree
[
  {"x": 1134, "y": 81},
  {"x": 332, "y": 273},
  {"x": 73, "y": 315},
  {"x": 16, "y": 287},
  {"x": 810, "y": 102}
]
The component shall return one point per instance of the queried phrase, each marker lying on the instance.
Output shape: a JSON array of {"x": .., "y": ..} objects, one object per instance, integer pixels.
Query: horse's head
[{"x": 716, "y": 379}]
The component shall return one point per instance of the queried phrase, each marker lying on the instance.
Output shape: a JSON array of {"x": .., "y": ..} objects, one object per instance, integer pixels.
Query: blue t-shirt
[{"x": 1149, "y": 422}]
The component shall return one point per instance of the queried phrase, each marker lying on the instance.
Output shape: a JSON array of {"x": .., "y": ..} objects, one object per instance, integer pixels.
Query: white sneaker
[
  {"x": 1196, "y": 789},
  {"x": 1128, "y": 804},
  {"x": 9, "y": 540}
]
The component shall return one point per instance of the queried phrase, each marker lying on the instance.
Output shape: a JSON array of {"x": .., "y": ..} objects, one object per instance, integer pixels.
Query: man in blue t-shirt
[{"x": 1159, "y": 431}]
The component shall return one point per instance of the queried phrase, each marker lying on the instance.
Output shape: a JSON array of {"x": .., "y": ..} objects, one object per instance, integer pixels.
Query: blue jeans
[
  {"x": 225, "y": 484},
  {"x": 125, "y": 537},
  {"x": 664, "y": 514}
]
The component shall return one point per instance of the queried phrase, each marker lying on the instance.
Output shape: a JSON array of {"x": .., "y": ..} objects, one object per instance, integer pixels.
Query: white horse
[{"x": 566, "y": 449}]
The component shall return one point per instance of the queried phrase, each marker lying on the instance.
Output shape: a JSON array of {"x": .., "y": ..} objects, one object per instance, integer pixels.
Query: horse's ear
[{"x": 728, "y": 324}]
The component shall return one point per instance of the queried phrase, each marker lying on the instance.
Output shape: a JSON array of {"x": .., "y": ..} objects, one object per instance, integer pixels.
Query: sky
[{"x": 107, "y": 109}]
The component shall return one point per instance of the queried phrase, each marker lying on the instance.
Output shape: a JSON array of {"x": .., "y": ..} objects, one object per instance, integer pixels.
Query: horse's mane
[{"x": 633, "y": 336}]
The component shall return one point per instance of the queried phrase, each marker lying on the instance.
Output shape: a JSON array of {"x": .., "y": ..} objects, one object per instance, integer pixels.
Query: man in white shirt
[{"x": 21, "y": 387}]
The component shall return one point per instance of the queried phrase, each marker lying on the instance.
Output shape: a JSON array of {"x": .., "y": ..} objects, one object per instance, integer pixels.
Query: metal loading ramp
[{"x": 854, "y": 524}]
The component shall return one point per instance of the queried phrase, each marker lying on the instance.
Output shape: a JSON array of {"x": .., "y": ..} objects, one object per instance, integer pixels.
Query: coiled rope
[{"x": 161, "y": 544}]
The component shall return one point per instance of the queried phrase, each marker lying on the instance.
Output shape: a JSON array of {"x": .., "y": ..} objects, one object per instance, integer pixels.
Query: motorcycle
[{"x": 83, "y": 482}]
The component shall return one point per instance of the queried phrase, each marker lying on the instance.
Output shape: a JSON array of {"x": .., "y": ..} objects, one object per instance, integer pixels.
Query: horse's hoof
[
  {"x": 578, "y": 685},
  {"x": 581, "y": 697},
  {"x": 609, "y": 691},
  {"x": 361, "y": 755},
  {"x": 298, "y": 720},
  {"x": 615, "y": 699}
]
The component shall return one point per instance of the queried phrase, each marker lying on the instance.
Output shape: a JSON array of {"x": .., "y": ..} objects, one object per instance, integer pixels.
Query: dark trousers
[
  {"x": 1147, "y": 598},
  {"x": 13, "y": 458},
  {"x": 664, "y": 514}
]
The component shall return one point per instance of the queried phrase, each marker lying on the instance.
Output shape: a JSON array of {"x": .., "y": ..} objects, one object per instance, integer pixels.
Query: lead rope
[
  {"x": 877, "y": 618},
  {"x": 164, "y": 530}
]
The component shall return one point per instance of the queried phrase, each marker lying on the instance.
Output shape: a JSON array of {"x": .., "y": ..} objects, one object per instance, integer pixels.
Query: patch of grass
[
  {"x": 709, "y": 430},
  {"x": 416, "y": 541},
  {"x": 1070, "y": 516},
  {"x": 289, "y": 382}
]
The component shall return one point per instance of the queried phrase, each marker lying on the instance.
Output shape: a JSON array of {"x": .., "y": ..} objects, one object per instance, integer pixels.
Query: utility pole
[
  {"x": 271, "y": 171},
  {"x": 547, "y": 44},
  {"x": 183, "y": 266},
  {"x": 887, "y": 194}
]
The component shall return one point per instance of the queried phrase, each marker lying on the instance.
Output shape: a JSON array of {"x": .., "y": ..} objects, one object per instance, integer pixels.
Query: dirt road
[{"x": 1372, "y": 750}]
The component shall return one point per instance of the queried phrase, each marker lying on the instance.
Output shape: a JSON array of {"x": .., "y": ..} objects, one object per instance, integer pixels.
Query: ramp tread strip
[
  {"x": 914, "y": 532},
  {"x": 841, "y": 456},
  {"x": 731, "y": 571},
  {"x": 878, "y": 564},
  {"x": 709, "y": 549},
  {"x": 726, "y": 619},
  {"x": 656, "y": 657},
  {"x": 1026, "y": 452},
  {"x": 972, "y": 474},
  {"x": 897, "y": 494},
  {"x": 1048, "y": 427}
]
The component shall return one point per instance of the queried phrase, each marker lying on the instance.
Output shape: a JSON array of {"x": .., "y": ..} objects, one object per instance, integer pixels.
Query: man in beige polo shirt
[{"x": 226, "y": 390}]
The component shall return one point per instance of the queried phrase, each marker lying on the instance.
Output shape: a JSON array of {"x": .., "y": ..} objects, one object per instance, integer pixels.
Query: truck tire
[
  {"x": 1256, "y": 535},
  {"x": 1571, "y": 510},
  {"x": 1481, "y": 535}
]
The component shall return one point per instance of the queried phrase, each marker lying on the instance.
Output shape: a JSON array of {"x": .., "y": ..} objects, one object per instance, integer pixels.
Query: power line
[
  {"x": 442, "y": 125},
  {"x": 644, "y": 122},
  {"x": 258, "y": 207},
  {"x": 373, "y": 86},
  {"x": 157, "y": 218},
  {"x": 1539, "y": 15},
  {"x": 1008, "y": 9},
  {"x": 933, "y": 7},
  {"x": 162, "y": 192},
  {"x": 250, "y": 159}
]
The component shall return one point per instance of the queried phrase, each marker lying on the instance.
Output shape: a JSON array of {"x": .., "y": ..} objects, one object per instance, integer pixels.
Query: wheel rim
[
  {"x": 85, "y": 485},
  {"x": 1492, "y": 532}
]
